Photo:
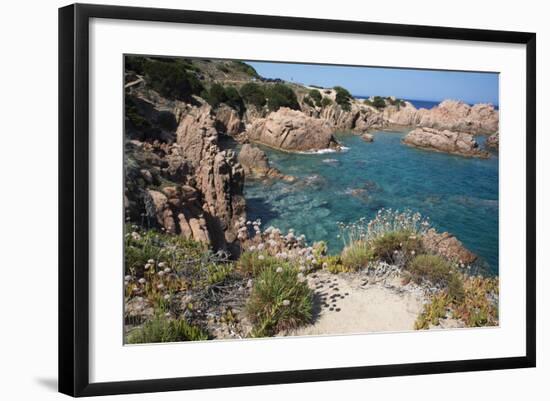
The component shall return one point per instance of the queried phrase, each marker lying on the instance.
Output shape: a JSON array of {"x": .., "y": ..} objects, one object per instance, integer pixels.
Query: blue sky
[{"x": 471, "y": 87}]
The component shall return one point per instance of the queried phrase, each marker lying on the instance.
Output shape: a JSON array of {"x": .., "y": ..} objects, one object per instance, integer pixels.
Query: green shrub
[
  {"x": 430, "y": 267},
  {"x": 356, "y": 255},
  {"x": 253, "y": 94},
  {"x": 161, "y": 330},
  {"x": 433, "y": 311},
  {"x": 253, "y": 262},
  {"x": 134, "y": 116},
  {"x": 215, "y": 95},
  {"x": 334, "y": 264},
  {"x": 308, "y": 101},
  {"x": 456, "y": 288},
  {"x": 171, "y": 79},
  {"x": 246, "y": 68},
  {"x": 343, "y": 98},
  {"x": 134, "y": 63},
  {"x": 279, "y": 301},
  {"x": 281, "y": 95},
  {"x": 390, "y": 245},
  {"x": 479, "y": 306},
  {"x": 316, "y": 96},
  {"x": 378, "y": 102},
  {"x": 233, "y": 99},
  {"x": 325, "y": 102}
]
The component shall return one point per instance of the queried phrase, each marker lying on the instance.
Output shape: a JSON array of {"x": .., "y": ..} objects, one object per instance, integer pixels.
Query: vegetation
[
  {"x": 253, "y": 94},
  {"x": 396, "y": 246},
  {"x": 356, "y": 255},
  {"x": 309, "y": 101},
  {"x": 134, "y": 116},
  {"x": 218, "y": 94},
  {"x": 246, "y": 68},
  {"x": 253, "y": 262},
  {"x": 378, "y": 102},
  {"x": 279, "y": 301},
  {"x": 281, "y": 95},
  {"x": 433, "y": 311},
  {"x": 316, "y": 96},
  {"x": 161, "y": 329},
  {"x": 432, "y": 268},
  {"x": 343, "y": 98},
  {"x": 170, "y": 78},
  {"x": 325, "y": 102}
]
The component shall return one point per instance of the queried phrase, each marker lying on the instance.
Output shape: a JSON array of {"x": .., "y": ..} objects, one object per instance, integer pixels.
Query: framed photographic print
[{"x": 250, "y": 199}]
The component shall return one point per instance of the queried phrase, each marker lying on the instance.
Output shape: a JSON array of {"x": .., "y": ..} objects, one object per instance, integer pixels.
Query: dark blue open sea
[{"x": 460, "y": 195}]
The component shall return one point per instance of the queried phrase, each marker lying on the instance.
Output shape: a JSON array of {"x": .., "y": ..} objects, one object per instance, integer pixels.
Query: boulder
[
  {"x": 292, "y": 130},
  {"x": 458, "y": 143},
  {"x": 447, "y": 246},
  {"x": 228, "y": 121},
  {"x": 256, "y": 164}
]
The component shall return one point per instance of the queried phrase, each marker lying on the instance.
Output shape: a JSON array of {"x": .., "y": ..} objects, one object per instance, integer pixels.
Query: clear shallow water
[{"x": 460, "y": 195}]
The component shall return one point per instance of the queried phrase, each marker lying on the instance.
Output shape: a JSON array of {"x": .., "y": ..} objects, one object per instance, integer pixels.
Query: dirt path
[{"x": 349, "y": 303}]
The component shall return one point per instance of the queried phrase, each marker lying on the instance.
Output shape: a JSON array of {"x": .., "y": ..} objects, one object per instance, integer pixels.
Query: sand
[{"x": 349, "y": 303}]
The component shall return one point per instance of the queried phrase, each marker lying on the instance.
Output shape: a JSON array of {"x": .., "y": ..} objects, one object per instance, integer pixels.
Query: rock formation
[
  {"x": 447, "y": 246},
  {"x": 493, "y": 141},
  {"x": 458, "y": 143},
  {"x": 367, "y": 137},
  {"x": 292, "y": 130},
  {"x": 448, "y": 115},
  {"x": 256, "y": 164}
]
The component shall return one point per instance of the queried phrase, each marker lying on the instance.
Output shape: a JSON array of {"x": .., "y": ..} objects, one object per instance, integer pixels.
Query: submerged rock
[
  {"x": 458, "y": 143},
  {"x": 367, "y": 137}
]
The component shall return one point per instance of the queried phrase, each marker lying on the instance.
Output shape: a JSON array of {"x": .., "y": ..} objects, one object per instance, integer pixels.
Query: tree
[
  {"x": 316, "y": 96},
  {"x": 343, "y": 98},
  {"x": 326, "y": 102},
  {"x": 281, "y": 95},
  {"x": 233, "y": 99},
  {"x": 215, "y": 95},
  {"x": 171, "y": 79},
  {"x": 253, "y": 94},
  {"x": 378, "y": 102}
]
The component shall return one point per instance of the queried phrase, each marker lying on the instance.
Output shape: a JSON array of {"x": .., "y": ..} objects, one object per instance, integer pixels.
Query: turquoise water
[{"x": 460, "y": 195}]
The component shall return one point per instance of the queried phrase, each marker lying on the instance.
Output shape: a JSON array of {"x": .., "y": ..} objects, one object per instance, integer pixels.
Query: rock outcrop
[
  {"x": 447, "y": 246},
  {"x": 228, "y": 121},
  {"x": 292, "y": 130},
  {"x": 256, "y": 164},
  {"x": 458, "y": 143},
  {"x": 448, "y": 115},
  {"x": 493, "y": 141}
]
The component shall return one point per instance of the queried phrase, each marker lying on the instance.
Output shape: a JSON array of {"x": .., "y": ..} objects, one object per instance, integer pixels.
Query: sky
[{"x": 470, "y": 87}]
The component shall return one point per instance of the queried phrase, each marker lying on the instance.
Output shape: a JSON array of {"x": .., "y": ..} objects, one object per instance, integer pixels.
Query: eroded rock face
[
  {"x": 256, "y": 164},
  {"x": 205, "y": 199},
  {"x": 448, "y": 115},
  {"x": 292, "y": 130},
  {"x": 459, "y": 143},
  {"x": 228, "y": 120},
  {"x": 447, "y": 246}
]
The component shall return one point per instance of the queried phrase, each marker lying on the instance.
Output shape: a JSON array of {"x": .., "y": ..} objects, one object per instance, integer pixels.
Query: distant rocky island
[{"x": 192, "y": 127}]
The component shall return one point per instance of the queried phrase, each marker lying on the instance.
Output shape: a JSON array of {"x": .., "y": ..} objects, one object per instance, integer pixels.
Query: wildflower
[
  {"x": 413, "y": 253},
  {"x": 260, "y": 247},
  {"x": 160, "y": 286},
  {"x": 302, "y": 268},
  {"x": 249, "y": 283},
  {"x": 261, "y": 257},
  {"x": 248, "y": 223},
  {"x": 252, "y": 248},
  {"x": 301, "y": 277},
  {"x": 161, "y": 273},
  {"x": 279, "y": 270},
  {"x": 127, "y": 278},
  {"x": 142, "y": 281},
  {"x": 162, "y": 264},
  {"x": 325, "y": 265},
  {"x": 286, "y": 302},
  {"x": 151, "y": 261},
  {"x": 166, "y": 297},
  {"x": 147, "y": 266},
  {"x": 136, "y": 236},
  {"x": 167, "y": 314},
  {"x": 167, "y": 270}
]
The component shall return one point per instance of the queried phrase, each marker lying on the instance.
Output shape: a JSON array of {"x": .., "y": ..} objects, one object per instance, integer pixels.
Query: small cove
[{"x": 458, "y": 194}]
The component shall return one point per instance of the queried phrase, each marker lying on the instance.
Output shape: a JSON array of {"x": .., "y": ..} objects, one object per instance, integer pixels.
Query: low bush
[
  {"x": 253, "y": 94},
  {"x": 432, "y": 312},
  {"x": 281, "y": 95},
  {"x": 356, "y": 255},
  {"x": 343, "y": 98},
  {"x": 430, "y": 267},
  {"x": 171, "y": 79},
  {"x": 396, "y": 246},
  {"x": 309, "y": 102},
  {"x": 280, "y": 300},
  {"x": 161, "y": 329},
  {"x": 325, "y": 102},
  {"x": 378, "y": 102},
  {"x": 316, "y": 96},
  {"x": 479, "y": 306},
  {"x": 334, "y": 264},
  {"x": 253, "y": 262}
]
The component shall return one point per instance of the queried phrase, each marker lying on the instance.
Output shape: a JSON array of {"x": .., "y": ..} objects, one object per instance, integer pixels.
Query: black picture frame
[{"x": 74, "y": 200}]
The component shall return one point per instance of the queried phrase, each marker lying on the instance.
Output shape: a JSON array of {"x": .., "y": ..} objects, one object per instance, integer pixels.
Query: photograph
[{"x": 270, "y": 199}]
